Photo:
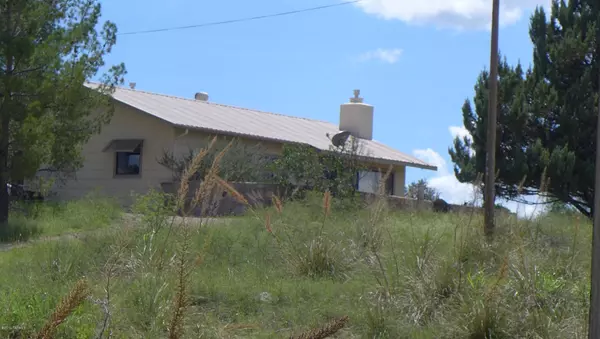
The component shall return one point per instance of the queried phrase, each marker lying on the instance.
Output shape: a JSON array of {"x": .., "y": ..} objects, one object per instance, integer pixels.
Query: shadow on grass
[
  {"x": 31, "y": 220},
  {"x": 19, "y": 229}
]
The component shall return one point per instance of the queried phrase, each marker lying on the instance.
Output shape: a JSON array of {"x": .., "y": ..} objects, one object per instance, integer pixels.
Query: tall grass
[
  {"x": 443, "y": 278},
  {"x": 31, "y": 220},
  {"x": 304, "y": 269}
]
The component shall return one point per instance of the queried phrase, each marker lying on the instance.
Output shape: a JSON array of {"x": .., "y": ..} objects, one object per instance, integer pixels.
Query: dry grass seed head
[
  {"x": 381, "y": 184},
  {"x": 324, "y": 332},
  {"x": 214, "y": 169},
  {"x": 67, "y": 305},
  {"x": 207, "y": 186},
  {"x": 268, "y": 223},
  {"x": 378, "y": 208},
  {"x": 181, "y": 300},
  {"x": 521, "y": 184},
  {"x": 545, "y": 186},
  {"x": 203, "y": 192},
  {"x": 326, "y": 202},
  {"x": 277, "y": 203},
  {"x": 232, "y": 191},
  {"x": 189, "y": 172}
]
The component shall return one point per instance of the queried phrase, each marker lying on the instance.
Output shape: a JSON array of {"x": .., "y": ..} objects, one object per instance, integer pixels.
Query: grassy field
[
  {"x": 286, "y": 269},
  {"x": 34, "y": 220}
]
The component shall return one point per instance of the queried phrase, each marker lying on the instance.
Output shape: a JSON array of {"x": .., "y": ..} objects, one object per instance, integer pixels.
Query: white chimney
[
  {"x": 201, "y": 96},
  {"x": 356, "y": 117}
]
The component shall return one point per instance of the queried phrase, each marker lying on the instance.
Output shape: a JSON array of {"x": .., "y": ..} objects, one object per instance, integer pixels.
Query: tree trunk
[
  {"x": 5, "y": 107},
  {"x": 594, "y": 310},
  {"x": 4, "y": 197}
]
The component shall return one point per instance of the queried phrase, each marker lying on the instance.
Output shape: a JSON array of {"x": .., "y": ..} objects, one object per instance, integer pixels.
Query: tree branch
[{"x": 35, "y": 69}]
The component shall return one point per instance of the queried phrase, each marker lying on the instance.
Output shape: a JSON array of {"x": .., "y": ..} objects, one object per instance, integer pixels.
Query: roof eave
[
  {"x": 400, "y": 163},
  {"x": 425, "y": 167},
  {"x": 261, "y": 138},
  {"x": 383, "y": 161},
  {"x": 232, "y": 134}
]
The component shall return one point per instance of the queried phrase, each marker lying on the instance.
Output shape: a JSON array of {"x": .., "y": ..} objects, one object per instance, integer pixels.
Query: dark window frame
[{"x": 117, "y": 157}]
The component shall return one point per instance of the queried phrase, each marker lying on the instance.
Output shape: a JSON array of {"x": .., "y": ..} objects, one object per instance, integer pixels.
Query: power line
[{"x": 242, "y": 19}]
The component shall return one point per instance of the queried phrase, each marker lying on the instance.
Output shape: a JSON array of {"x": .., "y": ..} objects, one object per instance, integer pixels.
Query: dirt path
[{"x": 128, "y": 220}]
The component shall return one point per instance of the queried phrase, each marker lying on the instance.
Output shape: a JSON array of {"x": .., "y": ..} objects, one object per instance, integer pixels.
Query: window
[
  {"x": 127, "y": 155},
  {"x": 128, "y": 163},
  {"x": 368, "y": 182}
]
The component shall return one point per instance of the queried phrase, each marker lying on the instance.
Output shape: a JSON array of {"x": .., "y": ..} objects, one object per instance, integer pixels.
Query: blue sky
[{"x": 415, "y": 61}]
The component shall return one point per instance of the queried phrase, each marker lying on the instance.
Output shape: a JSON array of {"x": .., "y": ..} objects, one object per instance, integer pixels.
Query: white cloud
[
  {"x": 525, "y": 210},
  {"x": 461, "y": 132},
  {"x": 444, "y": 181},
  {"x": 457, "y": 14},
  {"x": 458, "y": 193},
  {"x": 389, "y": 56}
]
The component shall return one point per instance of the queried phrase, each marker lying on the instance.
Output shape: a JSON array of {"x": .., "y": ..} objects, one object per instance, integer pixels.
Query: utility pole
[
  {"x": 594, "y": 315},
  {"x": 490, "y": 177}
]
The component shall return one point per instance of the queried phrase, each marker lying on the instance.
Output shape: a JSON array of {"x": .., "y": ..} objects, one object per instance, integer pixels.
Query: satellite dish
[{"x": 340, "y": 138}]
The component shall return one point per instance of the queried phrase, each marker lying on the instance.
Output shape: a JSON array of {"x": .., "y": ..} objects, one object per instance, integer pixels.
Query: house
[{"x": 122, "y": 158}]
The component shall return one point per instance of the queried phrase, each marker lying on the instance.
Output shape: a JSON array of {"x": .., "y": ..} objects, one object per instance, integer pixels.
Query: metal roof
[{"x": 209, "y": 116}]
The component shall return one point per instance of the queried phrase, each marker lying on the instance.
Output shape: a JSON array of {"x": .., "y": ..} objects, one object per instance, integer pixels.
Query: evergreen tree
[
  {"x": 48, "y": 49},
  {"x": 546, "y": 117}
]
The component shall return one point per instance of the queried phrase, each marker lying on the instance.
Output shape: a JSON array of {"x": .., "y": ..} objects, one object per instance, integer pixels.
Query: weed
[
  {"x": 315, "y": 253},
  {"x": 64, "y": 309},
  {"x": 181, "y": 300},
  {"x": 326, "y": 331}
]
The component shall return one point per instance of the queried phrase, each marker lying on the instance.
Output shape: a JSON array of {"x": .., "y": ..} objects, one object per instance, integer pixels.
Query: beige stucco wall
[
  {"x": 97, "y": 172},
  {"x": 194, "y": 139},
  {"x": 129, "y": 123},
  {"x": 399, "y": 180}
]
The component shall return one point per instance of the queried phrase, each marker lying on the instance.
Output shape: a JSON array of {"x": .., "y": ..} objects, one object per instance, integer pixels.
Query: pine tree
[
  {"x": 48, "y": 49},
  {"x": 547, "y": 115}
]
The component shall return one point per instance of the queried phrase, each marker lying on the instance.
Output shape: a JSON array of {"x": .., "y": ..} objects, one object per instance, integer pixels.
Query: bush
[
  {"x": 240, "y": 163},
  {"x": 304, "y": 167},
  {"x": 311, "y": 248}
]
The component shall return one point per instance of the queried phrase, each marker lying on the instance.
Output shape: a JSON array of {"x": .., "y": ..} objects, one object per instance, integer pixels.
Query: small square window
[{"x": 128, "y": 163}]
